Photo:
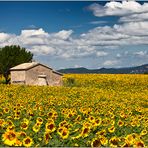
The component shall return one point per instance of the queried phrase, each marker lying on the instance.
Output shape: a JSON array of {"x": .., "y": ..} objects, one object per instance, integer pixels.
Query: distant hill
[{"x": 127, "y": 70}]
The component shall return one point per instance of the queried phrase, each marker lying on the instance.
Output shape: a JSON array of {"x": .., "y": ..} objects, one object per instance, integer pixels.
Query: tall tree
[{"x": 11, "y": 56}]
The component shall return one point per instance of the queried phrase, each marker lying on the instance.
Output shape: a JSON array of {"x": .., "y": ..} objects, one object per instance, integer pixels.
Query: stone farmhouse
[{"x": 35, "y": 74}]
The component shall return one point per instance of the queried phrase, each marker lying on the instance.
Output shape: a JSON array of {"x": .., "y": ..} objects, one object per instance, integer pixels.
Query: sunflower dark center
[
  {"x": 51, "y": 126},
  {"x": 64, "y": 133},
  {"x": 11, "y": 136},
  {"x": 24, "y": 125},
  {"x": 27, "y": 141},
  {"x": 85, "y": 131},
  {"x": 140, "y": 144},
  {"x": 47, "y": 136},
  {"x": 114, "y": 142},
  {"x": 96, "y": 143}
]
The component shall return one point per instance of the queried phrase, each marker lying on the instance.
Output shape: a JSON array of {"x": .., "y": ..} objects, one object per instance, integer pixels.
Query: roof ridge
[{"x": 24, "y": 66}]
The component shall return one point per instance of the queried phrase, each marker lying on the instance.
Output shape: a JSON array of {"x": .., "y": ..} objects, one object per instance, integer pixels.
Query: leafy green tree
[{"x": 11, "y": 56}]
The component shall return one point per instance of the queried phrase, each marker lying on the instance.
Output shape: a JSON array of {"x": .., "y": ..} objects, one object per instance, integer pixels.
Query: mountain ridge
[{"x": 125, "y": 70}]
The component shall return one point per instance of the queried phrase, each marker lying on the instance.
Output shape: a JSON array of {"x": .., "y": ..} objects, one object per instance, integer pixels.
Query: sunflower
[
  {"x": 78, "y": 118},
  {"x": 6, "y": 110},
  {"x": 35, "y": 108},
  {"x": 22, "y": 134},
  {"x": 105, "y": 122},
  {"x": 87, "y": 124},
  {"x": 47, "y": 137},
  {"x": 120, "y": 123},
  {"x": 134, "y": 123},
  {"x": 39, "y": 120},
  {"x": 85, "y": 131},
  {"x": 64, "y": 133},
  {"x": 101, "y": 133},
  {"x": 15, "y": 108},
  {"x": 16, "y": 117},
  {"x": 111, "y": 129},
  {"x": 9, "y": 122},
  {"x": 129, "y": 139},
  {"x": 24, "y": 125},
  {"x": 62, "y": 123},
  {"x": 18, "y": 112},
  {"x": 76, "y": 137},
  {"x": 10, "y": 117},
  {"x": 139, "y": 143},
  {"x": 135, "y": 136},
  {"x": 9, "y": 138},
  {"x": 25, "y": 120},
  {"x": 36, "y": 128},
  {"x": 18, "y": 105},
  {"x": 52, "y": 114},
  {"x": 97, "y": 122},
  {"x": 10, "y": 128},
  {"x": 63, "y": 110},
  {"x": 1, "y": 114},
  {"x": 126, "y": 144},
  {"x": 112, "y": 116},
  {"x": 143, "y": 132},
  {"x": 50, "y": 127},
  {"x": 122, "y": 115},
  {"x": 65, "y": 124},
  {"x": 55, "y": 115},
  {"x": 112, "y": 122},
  {"x": 31, "y": 114},
  {"x": 114, "y": 142},
  {"x": 41, "y": 113},
  {"x": 2, "y": 122},
  {"x": 59, "y": 130},
  {"x": 103, "y": 140},
  {"x": 40, "y": 108},
  {"x": 91, "y": 119},
  {"x": 50, "y": 120},
  {"x": 69, "y": 115},
  {"x": 18, "y": 143},
  {"x": 96, "y": 142},
  {"x": 27, "y": 142}
]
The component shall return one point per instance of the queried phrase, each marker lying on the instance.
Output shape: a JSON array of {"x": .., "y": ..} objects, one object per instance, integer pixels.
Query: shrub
[{"x": 70, "y": 82}]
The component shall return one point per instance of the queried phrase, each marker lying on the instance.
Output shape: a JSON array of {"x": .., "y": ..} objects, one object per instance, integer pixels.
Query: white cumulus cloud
[
  {"x": 101, "y": 53},
  {"x": 138, "y": 17},
  {"x": 5, "y": 37},
  {"x": 141, "y": 53},
  {"x": 95, "y": 42},
  {"x": 64, "y": 35},
  {"x": 118, "y": 8},
  {"x": 110, "y": 63}
]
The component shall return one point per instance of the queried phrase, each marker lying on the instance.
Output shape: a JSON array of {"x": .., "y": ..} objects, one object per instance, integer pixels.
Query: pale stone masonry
[{"x": 35, "y": 74}]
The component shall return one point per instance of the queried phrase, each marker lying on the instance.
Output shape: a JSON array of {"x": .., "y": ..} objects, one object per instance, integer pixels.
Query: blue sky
[
  {"x": 79, "y": 33},
  {"x": 51, "y": 16}
]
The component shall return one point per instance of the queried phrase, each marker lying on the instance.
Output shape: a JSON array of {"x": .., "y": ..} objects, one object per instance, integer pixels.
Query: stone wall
[
  {"x": 57, "y": 79},
  {"x": 32, "y": 75},
  {"x": 18, "y": 77}
]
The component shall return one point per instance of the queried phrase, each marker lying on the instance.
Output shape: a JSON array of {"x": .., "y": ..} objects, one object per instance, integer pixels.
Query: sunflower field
[{"x": 89, "y": 110}]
